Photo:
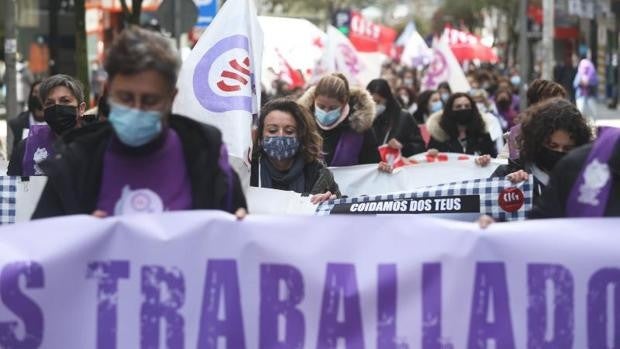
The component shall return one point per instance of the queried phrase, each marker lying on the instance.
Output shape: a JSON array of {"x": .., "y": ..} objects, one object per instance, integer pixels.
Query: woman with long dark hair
[
  {"x": 460, "y": 128},
  {"x": 393, "y": 125}
]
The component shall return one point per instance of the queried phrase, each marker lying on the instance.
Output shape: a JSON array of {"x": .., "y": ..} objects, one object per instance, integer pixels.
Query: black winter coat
[
  {"x": 440, "y": 140},
  {"x": 483, "y": 145},
  {"x": 17, "y": 126},
  {"x": 405, "y": 130},
  {"x": 15, "y": 167}
]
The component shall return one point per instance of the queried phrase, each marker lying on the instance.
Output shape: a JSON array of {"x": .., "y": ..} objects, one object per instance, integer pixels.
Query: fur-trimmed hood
[
  {"x": 362, "y": 107},
  {"x": 435, "y": 130}
]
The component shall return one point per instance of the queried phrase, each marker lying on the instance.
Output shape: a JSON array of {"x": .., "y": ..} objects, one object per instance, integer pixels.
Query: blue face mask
[
  {"x": 445, "y": 97},
  {"x": 327, "y": 118},
  {"x": 515, "y": 80},
  {"x": 436, "y": 106},
  {"x": 134, "y": 127},
  {"x": 280, "y": 147}
]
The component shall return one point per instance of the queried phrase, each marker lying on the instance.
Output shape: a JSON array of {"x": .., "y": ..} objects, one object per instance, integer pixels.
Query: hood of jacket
[
  {"x": 437, "y": 132},
  {"x": 361, "y": 105}
]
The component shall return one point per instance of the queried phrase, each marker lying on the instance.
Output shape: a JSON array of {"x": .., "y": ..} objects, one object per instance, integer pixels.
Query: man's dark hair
[{"x": 137, "y": 50}]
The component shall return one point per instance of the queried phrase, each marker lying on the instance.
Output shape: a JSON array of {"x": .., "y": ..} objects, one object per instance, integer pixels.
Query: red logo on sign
[
  {"x": 241, "y": 74},
  {"x": 511, "y": 199}
]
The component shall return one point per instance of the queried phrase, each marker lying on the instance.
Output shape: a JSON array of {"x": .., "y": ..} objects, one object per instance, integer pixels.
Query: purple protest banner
[{"x": 207, "y": 280}]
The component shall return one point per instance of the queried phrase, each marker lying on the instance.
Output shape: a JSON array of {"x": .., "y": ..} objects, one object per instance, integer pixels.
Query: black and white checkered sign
[
  {"x": 496, "y": 197},
  {"x": 8, "y": 190}
]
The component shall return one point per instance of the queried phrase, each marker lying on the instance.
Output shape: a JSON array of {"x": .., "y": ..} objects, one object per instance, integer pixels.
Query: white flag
[
  {"x": 219, "y": 82},
  {"x": 444, "y": 67},
  {"x": 416, "y": 52},
  {"x": 406, "y": 34},
  {"x": 342, "y": 57}
]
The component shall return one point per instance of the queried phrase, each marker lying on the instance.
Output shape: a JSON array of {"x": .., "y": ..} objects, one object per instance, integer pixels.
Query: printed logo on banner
[
  {"x": 223, "y": 79},
  {"x": 446, "y": 204},
  {"x": 511, "y": 199},
  {"x": 496, "y": 197}
]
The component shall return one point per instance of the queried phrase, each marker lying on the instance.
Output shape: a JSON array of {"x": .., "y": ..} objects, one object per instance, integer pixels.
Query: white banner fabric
[{"x": 362, "y": 180}]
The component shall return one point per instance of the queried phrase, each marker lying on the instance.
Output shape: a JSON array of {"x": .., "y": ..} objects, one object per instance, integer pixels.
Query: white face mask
[{"x": 379, "y": 109}]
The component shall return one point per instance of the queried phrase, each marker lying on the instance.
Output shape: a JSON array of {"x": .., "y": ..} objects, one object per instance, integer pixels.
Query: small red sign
[
  {"x": 511, "y": 199},
  {"x": 391, "y": 156}
]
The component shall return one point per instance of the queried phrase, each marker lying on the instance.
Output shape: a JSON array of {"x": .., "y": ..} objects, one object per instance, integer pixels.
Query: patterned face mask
[{"x": 280, "y": 147}]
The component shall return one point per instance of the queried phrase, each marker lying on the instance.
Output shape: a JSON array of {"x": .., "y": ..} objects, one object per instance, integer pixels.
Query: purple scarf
[
  {"x": 513, "y": 145},
  {"x": 39, "y": 146},
  {"x": 348, "y": 149},
  {"x": 590, "y": 193}
]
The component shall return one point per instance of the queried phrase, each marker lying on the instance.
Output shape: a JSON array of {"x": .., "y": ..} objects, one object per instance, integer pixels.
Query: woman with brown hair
[
  {"x": 539, "y": 91},
  {"x": 288, "y": 152},
  {"x": 550, "y": 130},
  {"x": 345, "y": 117}
]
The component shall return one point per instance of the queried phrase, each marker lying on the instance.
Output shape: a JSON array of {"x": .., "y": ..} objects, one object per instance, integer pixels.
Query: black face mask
[
  {"x": 503, "y": 104},
  {"x": 61, "y": 118},
  {"x": 463, "y": 116},
  {"x": 547, "y": 158},
  {"x": 34, "y": 103}
]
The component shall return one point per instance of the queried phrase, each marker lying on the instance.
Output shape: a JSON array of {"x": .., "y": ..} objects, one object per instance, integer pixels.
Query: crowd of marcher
[{"x": 134, "y": 155}]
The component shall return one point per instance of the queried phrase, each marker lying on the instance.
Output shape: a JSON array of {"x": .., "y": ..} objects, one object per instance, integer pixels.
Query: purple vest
[
  {"x": 39, "y": 146},
  {"x": 590, "y": 193},
  {"x": 149, "y": 183},
  {"x": 348, "y": 149}
]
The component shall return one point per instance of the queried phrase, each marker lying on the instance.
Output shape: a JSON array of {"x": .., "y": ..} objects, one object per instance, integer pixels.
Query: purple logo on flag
[
  {"x": 233, "y": 78},
  {"x": 350, "y": 59},
  {"x": 437, "y": 70}
]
